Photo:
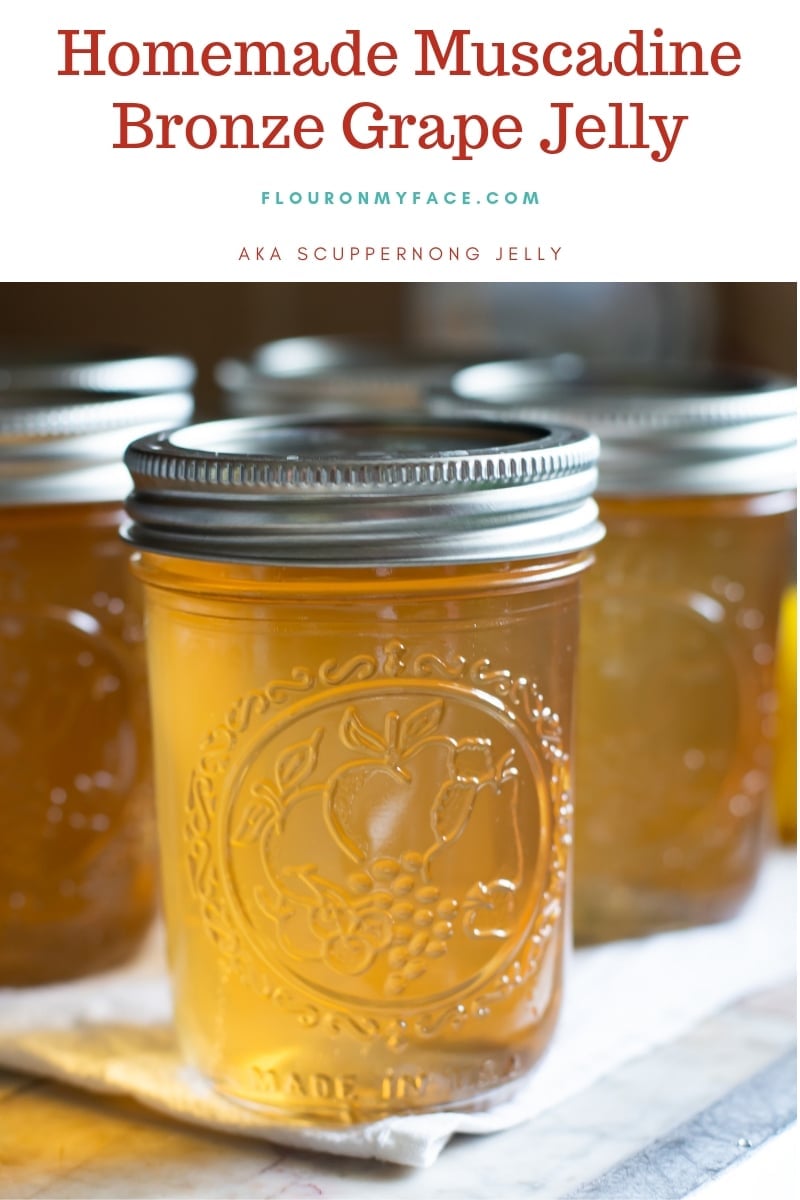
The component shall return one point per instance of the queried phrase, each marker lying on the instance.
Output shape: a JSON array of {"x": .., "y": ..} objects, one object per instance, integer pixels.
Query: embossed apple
[
  {"x": 428, "y": 824},
  {"x": 378, "y": 804}
]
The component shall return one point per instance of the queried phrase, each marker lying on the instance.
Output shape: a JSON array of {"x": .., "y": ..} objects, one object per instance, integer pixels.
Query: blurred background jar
[
  {"x": 77, "y": 875},
  {"x": 362, "y": 638},
  {"x": 335, "y": 376},
  {"x": 643, "y": 323},
  {"x": 676, "y": 696}
]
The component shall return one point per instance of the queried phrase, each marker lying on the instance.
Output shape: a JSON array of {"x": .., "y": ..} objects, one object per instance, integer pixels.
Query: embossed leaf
[
  {"x": 296, "y": 764},
  {"x": 452, "y": 809},
  {"x": 356, "y": 735},
  {"x": 252, "y": 824},
  {"x": 347, "y": 811},
  {"x": 419, "y": 724}
]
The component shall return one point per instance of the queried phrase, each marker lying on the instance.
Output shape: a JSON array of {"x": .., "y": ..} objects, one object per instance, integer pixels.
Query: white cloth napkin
[{"x": 112, "y": 1033}]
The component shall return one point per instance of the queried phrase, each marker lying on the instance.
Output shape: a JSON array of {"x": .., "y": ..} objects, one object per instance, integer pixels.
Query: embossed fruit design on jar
[
  {"x": 77, "y": 857},
  {"x": 676, "y": 690},
  {"x": 361, "y": 640}
]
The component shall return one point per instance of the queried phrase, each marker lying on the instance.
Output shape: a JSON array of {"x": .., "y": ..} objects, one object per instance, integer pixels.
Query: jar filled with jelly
[
  {"x": 77, "y": 879},
  {"x": 361, "y": 637},
  {"x": 676, "y": 699}
]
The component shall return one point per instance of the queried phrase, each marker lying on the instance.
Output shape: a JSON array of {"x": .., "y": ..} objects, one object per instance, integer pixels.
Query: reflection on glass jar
[
  {"x": 77, "y": 858},
  {"x": 363, "y": 768},
  {"x": 676, "y": 702}
]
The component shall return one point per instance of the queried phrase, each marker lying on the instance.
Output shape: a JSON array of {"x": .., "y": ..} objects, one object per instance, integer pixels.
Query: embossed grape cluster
[{"x": 422, "y": 919}]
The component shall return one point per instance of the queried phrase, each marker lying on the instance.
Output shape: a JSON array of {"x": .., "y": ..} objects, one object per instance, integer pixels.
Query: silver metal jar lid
[
  {"x": 87, "y": 371},
  {"x": 667, "y": 431},
  {"x": 67, "y": 447},
  {"x": 306, "y": 356},
  {"x": 347, "y": 492},
  {"x": 338, "y": 376}
]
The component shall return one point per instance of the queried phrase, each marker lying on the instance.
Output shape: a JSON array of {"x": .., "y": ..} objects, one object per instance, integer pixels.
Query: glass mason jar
[
  {"x": 361, "y": 639},
  {"x": 676, "y": 701},
  {"x": 77, "y": 853}
]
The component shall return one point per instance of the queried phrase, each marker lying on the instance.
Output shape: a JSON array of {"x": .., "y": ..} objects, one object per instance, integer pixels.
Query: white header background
[{"x": 724, "y": 205}]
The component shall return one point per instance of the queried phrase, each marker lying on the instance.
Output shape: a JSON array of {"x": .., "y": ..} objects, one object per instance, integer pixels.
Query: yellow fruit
[{"x": 785, "y": 780}]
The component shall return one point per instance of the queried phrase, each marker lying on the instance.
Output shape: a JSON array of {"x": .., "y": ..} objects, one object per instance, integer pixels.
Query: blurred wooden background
[{"x": 756, "y": 322}]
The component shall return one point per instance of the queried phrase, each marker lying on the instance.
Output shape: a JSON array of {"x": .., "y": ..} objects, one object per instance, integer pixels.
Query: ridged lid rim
[
  {"x": 45, "y": 416},
  {"x": 696, "y": 396},
  {"x": 161, "y": 459},
  {"x": 682, "y": 430},
  {"x": 410, "y": 490},
  {"x": 122, "y": 371}
]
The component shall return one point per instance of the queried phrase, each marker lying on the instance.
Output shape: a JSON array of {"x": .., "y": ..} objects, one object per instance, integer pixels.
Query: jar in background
[
  {"x": 337, "y": 376},
  {"x": 646, "y": 323},
  {"x": 361, "y": 640},
  {"x": 81, "y": 371},
  {"x": 676, "y": 700},
  {"x": 77, "y": 854}
]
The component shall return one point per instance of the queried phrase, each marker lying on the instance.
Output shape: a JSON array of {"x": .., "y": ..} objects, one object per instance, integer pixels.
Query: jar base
[
  {"x": 58, "y": 956},
  {"x": 609, "y": 913},
  {"x": 466, "y": 1078},
  {"x": 354, "y": 1114}
]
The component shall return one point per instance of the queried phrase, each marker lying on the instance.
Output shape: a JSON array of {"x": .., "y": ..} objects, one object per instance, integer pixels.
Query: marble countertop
[
  {"x": 672, "y": 1074},
  {"x": 691, "y": 1111}
]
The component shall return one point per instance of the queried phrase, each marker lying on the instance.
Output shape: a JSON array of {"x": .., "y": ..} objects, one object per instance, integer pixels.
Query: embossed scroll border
[{"x": 520, "y": 699}]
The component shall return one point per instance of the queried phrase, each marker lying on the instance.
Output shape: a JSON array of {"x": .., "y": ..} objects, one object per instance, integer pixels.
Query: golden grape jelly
[
  {"x": 77, "y": 856},
  {"x": 362, "y": 639},
  {"x": 676, "y": 701}
]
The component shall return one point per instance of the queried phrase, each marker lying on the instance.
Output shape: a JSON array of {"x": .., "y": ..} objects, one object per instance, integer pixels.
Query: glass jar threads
[
  {"x": 77, "y": 853},
  {"x": 361, "y": 639},
  {"x": 676, "y": 697}
]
